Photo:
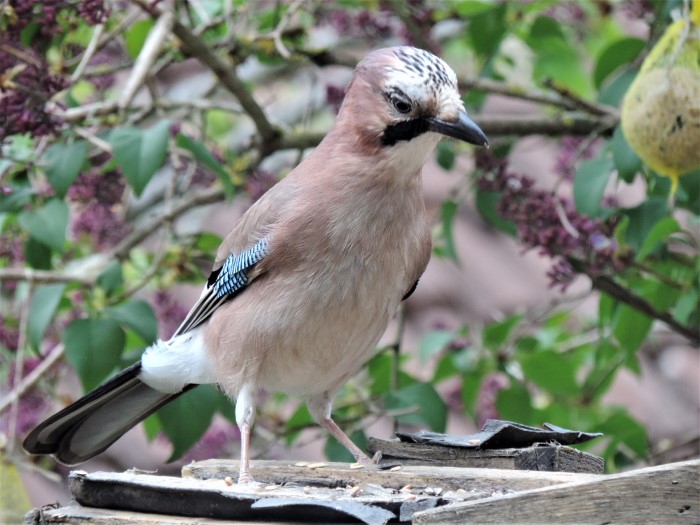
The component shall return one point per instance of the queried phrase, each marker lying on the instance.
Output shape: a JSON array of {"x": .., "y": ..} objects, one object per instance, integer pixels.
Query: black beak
[{"x": 463, "y": 128}]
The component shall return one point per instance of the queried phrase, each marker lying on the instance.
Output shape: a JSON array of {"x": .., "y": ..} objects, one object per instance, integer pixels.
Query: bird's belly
[
  {"x": 299, "y": 342},
  {"x": 322, "y": 357}
]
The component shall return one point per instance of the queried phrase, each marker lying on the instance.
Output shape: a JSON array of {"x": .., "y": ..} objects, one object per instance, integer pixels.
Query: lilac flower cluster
[
  {"x": 11, "y": 254},
  {"x": 259, "y": 182},
  {"x": 97, "y": 196},
  {"x": 364, "y": 24},
  {"x": 27, "y": 82},
  {"x": 572, "y": 150},
  {"x": 32, "y": 405},
  {"x": 169, "y": 313},
  {"x": 26, "y": 85},
  {"x": 334, "y": 97},
  {"x": 551, "y": 224},
  {"x": 213, "y": 443},
  {"x": 485, "y": 404},
  {"x": 638, "y": 9}
]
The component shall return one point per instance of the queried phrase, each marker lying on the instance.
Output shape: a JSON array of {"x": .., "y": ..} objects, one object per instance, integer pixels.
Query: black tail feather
[{"x": 96, "y": 420}]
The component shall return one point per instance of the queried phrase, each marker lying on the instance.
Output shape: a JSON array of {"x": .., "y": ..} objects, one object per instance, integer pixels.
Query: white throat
[{"x": 408, "y": 157}]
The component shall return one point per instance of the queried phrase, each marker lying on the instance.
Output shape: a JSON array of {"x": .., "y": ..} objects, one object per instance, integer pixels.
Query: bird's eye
[{"x": 401, "y": 105}]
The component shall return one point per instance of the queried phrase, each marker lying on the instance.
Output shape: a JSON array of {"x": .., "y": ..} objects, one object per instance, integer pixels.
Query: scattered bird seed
[
  {"x": 228, "y": 480},
  {"x": 355, "y": 491}
]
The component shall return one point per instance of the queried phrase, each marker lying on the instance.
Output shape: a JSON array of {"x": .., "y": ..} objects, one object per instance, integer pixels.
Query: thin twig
[
  {"x": 609, "y": 286},
  {"x": 193, "y": 200},
  {"x": 19, "y": 362},
  {"x": 89, "y": 52},
  {"x": 193, "y": 45},
  {"x": 149, "y": 52},
  {"x": 276, "y": 34},
  {"x": 586, "y": 105},
  {"x": 32, "y": 377}
]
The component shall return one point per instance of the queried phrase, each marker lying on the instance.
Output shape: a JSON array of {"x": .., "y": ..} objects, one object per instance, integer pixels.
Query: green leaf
[
  {"x": 486, "y": 205},
  {"x": 590, "y": 181},
  {"x": 63, "y": 163},
  {"x": 139, "y": 153},
  {"x": 658, "y": 234},
  {"x": 496, "y": 334},
  {"x": 41, "y": 309},
  {"x": 187, "y": 418},
  {"x": 551, "y": 371},
  {"x": 18, "y": 197},
  {"x": 513, "y": 404},
  {"x": 623, "y": 429},
  {"x": 203, "y": 156},
  {"x": 688, "y": 196},
  {"x": 36, "y": 254},
  {"x": 296, "y": 422},
  {"x": 334, "y": 451},
  {"x": 136, "y": 35},
  {"x": 614, "y": 90},
  {"x": 616, "y": 54},
  {"x": 631, "y": 328},
  {"x": 432, "y": 343},
  {"x": 136, "y": 315},
  {"x": 686, "y": 305},
  {"x": 381, "y": 369},
  {"x": 486, "y": 30},
  {"x": 470, "y": 8},
  {"x": 430, "y": 409},
  {"x": 47, "y": 224},
  {"x": 642, "y": 219},
  {"x": 111, "y": 277},
  {"x": 446, "y": 248},
  {"x": 93, "y": 347},
  {"x": 626, "y": 161},
  {"x": 445, "y": 155},
  {"x": 543, "y": 30}
]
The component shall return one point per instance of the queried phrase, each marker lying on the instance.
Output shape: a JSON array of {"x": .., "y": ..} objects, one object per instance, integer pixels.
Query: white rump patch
[{"x": 169, "y": 366}]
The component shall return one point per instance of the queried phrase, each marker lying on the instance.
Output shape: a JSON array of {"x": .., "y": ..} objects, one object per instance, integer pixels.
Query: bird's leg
[
  {"x": 245, "y": 416},
  {"x": 320, "y": 410}
]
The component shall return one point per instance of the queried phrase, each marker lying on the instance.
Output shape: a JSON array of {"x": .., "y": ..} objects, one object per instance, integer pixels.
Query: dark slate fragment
[
  {"x": 501, "y": 434},
  {"x": 327, "y": 511}
]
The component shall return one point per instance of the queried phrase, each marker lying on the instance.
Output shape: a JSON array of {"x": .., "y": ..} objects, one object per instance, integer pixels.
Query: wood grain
[
  {"x": 664, "y": 495},
  {"x": 553, "y": 458}
]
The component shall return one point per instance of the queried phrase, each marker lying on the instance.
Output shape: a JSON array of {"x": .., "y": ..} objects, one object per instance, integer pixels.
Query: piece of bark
[
  {"x": 552, "y": 458},
  {"x": 664, "y": 495}
]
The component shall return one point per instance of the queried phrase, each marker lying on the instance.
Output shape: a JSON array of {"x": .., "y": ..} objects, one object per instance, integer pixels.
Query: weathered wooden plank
[
  {"x": 664, "y": 495},
  {"x": 485, "y": 481},
  {"x": 553, "y": 458},
  {"x": 75, "y": 514},
  {"x": 217, "y": 498}
]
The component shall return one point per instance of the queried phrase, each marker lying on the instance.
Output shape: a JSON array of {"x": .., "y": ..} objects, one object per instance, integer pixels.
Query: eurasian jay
[{"x": 304, "y": 286}]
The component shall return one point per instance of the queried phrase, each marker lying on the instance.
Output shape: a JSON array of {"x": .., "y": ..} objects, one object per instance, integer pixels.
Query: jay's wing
[{"x": 224, "y": 283}]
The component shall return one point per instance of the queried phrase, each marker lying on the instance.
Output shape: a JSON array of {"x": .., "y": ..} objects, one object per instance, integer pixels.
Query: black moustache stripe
[{"x": 405, "y": 130}]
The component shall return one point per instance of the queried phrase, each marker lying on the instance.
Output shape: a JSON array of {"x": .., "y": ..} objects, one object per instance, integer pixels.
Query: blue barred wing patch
[
  {"x": 233, "y": 275},
  {"x": 223, "y": 284}
]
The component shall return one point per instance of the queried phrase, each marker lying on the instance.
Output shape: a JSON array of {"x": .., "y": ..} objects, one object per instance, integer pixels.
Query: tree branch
[
  {"x": 607, "y": 285},
  {"x": 226, "y": 73},
  {"x": 44, "y": 276},
  {"x": 32, "y": 377}
]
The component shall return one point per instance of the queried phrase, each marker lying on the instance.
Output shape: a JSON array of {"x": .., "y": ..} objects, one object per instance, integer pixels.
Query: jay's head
[{"x": 402, "y": 100}]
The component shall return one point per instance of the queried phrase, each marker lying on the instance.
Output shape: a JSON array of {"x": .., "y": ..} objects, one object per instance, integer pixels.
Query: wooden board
[
  {"x": 301, "y": 492},
  {"x": 485, "y": 481},
  {"x": 75, "y": 514},
  {"x": 553, "y": 458},
  {"x": 664, "y": 495}
]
